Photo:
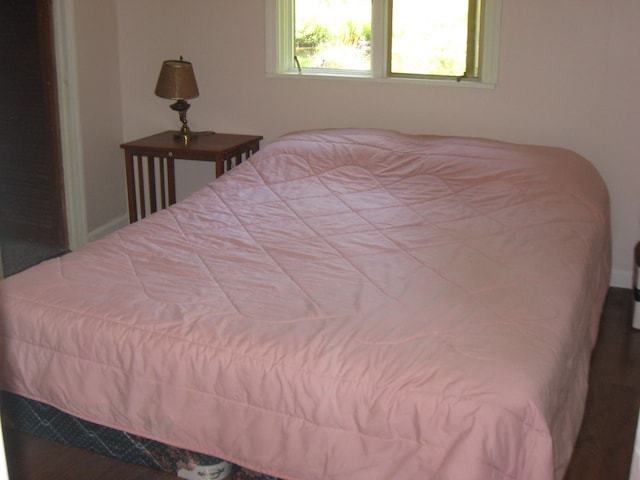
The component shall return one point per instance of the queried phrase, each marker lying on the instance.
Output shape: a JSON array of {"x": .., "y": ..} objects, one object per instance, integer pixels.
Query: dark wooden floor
[
  {"x": 603, "y": 450},
  {"x": 605, "y": 443},
  {"x": 32, "y": 458}
]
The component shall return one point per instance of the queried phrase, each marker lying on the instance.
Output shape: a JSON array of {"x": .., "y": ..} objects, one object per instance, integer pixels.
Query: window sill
[{"x": 356, "y": 77}]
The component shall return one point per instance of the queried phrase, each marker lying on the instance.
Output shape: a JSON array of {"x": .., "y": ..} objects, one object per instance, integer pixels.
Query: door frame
[{"x": 70, "y": 124}]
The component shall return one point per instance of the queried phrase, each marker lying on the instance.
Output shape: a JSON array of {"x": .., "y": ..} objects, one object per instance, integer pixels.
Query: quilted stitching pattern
[{"x": 340, "y": 291}]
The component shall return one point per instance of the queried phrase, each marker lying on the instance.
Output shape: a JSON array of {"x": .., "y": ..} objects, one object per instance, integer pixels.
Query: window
[
  {"x": 333, "y": 34},
  {"x": 454, "y": 40}
]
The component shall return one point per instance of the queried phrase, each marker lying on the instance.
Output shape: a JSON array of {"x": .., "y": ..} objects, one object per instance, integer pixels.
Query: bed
[{"x": 346, "y": 304}]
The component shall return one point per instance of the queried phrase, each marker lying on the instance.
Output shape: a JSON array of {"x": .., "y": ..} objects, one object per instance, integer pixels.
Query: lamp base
[{"x": 184, "y": 136}]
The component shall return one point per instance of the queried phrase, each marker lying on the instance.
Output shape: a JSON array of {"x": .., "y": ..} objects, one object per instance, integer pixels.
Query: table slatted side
[{"x": 150, "y": 165}]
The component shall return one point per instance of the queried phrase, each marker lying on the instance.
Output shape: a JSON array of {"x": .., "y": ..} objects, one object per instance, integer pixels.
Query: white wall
[
  {"x": 567, "y": 78},
  {"x": 97, "y": 65}
]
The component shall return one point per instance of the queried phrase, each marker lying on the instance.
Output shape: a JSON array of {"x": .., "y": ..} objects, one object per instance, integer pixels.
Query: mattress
[{"x": 346, "y": 304}]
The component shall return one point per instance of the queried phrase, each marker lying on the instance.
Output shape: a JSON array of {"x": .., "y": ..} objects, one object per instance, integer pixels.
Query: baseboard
[{"x": 107, "y": 228}]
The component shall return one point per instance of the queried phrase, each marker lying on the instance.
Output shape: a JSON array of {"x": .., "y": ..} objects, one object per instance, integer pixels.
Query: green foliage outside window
[
  {"x": 429, "y": 37},
  {"x": 333, "y": 34}
]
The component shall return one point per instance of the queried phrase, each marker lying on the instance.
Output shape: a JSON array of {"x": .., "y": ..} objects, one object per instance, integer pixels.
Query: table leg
[{"x": 131, "y": 188}]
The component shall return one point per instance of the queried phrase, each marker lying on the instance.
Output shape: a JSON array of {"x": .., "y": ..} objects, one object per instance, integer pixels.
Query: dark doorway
[{"x": 31, "y": 181}]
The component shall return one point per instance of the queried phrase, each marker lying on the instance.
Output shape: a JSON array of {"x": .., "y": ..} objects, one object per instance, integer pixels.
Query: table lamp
[{"x": 178, "y": 82}]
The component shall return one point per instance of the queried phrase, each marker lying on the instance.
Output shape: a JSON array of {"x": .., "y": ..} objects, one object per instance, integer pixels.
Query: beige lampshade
[{"x": 177, "y": 81}]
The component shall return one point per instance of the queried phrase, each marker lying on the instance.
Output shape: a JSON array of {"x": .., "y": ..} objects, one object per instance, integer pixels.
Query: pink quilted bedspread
[{"x": 348, "y": 304}]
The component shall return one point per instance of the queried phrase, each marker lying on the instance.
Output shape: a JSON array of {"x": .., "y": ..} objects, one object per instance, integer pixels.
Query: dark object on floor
[{"x": 18, "y": 255}]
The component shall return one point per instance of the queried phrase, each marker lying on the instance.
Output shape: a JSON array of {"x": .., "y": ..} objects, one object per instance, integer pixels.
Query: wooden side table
[{"x": 144, "y": 155}]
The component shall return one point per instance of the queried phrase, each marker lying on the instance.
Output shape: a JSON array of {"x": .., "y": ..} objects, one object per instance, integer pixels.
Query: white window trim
[
  {"x": 279, "y": 48},
  {"x": 70, "y": 124}
]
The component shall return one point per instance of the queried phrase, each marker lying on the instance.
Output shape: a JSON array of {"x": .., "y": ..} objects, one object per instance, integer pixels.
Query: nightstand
[{"x": 150, "y": 165}]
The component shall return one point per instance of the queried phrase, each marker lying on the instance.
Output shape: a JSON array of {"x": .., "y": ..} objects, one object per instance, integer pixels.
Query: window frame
[{"x": 280, "y": 47}]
